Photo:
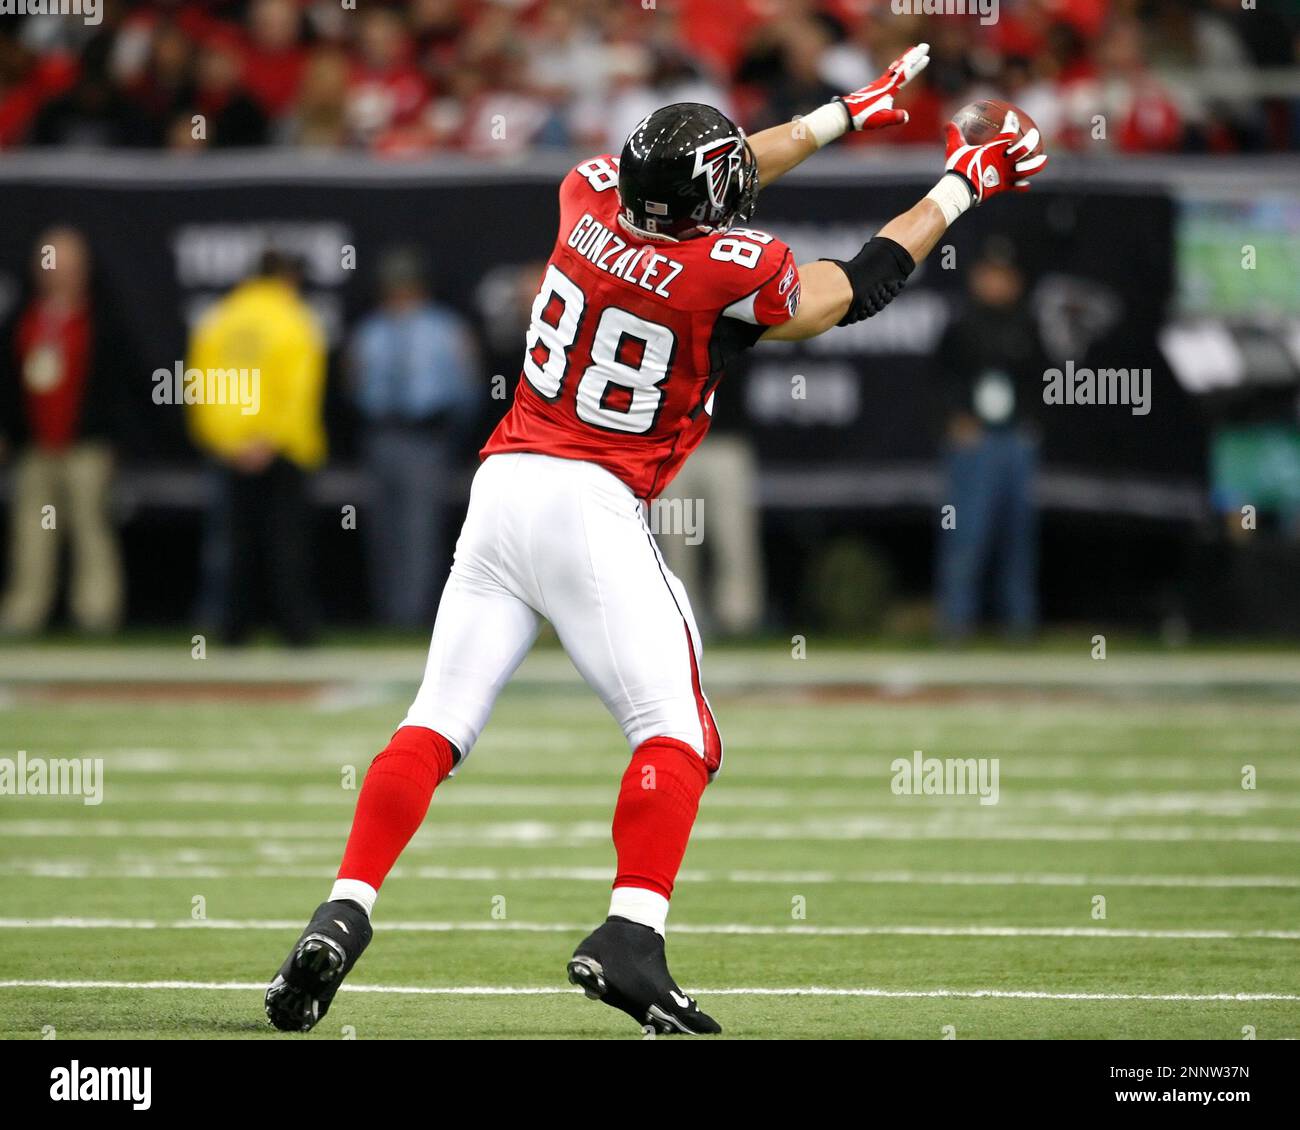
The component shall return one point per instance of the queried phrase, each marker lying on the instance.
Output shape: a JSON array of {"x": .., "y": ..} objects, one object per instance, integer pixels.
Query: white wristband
[
  {"x": 953, "y": 195},
  {"x": 827, "y": 123}
]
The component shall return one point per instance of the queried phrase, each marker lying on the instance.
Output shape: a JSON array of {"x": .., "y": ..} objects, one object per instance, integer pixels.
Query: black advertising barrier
[{"x": 169, "y": 234}]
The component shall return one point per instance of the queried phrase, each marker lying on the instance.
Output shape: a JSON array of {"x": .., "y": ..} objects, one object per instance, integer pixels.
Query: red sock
[
  {"x": 656, "y": 810},
  {"x": 394, "y": 799}
]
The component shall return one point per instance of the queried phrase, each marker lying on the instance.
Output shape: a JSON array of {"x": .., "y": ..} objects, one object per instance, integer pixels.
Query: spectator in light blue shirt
[{"x": 414, "y": 370}]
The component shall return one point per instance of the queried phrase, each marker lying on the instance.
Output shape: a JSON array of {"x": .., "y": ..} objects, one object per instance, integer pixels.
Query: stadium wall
[{"x": 170, "y": 234}]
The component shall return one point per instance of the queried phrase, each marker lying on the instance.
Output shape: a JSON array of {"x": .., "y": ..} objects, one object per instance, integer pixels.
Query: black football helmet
[{"x": 687, "y": 170}]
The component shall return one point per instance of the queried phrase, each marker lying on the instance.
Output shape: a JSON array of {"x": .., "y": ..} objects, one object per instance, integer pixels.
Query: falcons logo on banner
[{"x": 718, "y": 159}]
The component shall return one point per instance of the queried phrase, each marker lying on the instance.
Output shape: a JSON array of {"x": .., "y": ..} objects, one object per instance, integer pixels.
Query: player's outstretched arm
[
  {"x": 780, "y": 148},
  {"x": 839, "y": 293}
]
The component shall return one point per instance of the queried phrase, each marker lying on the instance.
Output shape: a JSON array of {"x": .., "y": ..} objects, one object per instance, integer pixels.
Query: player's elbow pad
[{"x": 877, "y": 273}]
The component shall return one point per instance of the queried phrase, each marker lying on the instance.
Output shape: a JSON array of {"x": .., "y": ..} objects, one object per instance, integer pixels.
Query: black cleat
[
  {"x": 622, "y": 963},
  {"x": 300, "y": 995}
]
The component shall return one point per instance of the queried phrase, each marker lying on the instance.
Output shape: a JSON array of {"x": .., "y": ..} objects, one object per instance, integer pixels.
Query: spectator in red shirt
[
  {"x": 63, "y": 413},
  {"x": 26, "y": 82},
  {"x": 1149, "y": 121},
  {"x": 274, "y": 59},
  {"x": 387, "y": 91}
]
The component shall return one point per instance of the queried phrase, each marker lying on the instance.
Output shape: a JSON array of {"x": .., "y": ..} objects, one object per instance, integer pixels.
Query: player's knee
[
  {"x": 663, "y": 753},
  {"x": 451, "y": 726},
  {"x": 687, "y": 722},
  {"x": 696, "y": 749},
  {"x": 420, "y": 746}
]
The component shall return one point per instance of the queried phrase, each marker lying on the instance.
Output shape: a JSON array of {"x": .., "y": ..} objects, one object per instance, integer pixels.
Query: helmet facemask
[{"x": 747, "y": 193}]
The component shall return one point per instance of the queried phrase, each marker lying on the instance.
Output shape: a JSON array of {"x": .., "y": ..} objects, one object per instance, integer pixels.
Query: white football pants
[{"x": 565, "y": 540}]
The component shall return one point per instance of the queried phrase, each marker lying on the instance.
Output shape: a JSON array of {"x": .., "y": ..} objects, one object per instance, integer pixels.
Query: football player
[{"x": 655, "y": 283}]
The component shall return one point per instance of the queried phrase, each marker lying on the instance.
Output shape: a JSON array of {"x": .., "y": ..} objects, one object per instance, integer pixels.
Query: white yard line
[
  {"x": 875, "y": 797},
  {"x": 742, "y": 928},
  {"x": 82, "y": 869},
  {"x": 761, "y": 666},
  {"x": 531, "y": 991},
  {"x": 764, "y": 756}
]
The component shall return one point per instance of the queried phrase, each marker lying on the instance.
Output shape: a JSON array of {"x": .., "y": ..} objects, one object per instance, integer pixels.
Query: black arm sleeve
[{"x": 877, "y": 273}]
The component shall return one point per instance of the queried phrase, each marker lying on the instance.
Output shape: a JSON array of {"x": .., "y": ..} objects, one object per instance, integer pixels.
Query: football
[{"x": 980, "y": 122}]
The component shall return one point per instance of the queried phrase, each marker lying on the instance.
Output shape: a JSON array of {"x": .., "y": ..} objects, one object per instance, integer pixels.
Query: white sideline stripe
[
  {"x": 801, "y": 991},
  {"x": 62, "y": 923},
  {"x": 80, "y": 869},
  {"x": 926, "y": 826}
]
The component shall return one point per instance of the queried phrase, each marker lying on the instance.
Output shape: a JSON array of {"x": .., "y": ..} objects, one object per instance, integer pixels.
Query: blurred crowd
[{"x": 500, "y": 78}]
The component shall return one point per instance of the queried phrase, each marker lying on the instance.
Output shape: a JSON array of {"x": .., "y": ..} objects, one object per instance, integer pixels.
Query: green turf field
[{"x": 815, "y": 901}]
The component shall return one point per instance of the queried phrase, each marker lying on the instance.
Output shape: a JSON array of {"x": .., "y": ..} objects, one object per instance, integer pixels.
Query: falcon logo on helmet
[
  {"x": 686, "y": 170},
  {"x": 719, "y": 160}
]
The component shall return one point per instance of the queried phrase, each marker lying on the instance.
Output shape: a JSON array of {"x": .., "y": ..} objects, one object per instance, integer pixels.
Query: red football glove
[
  {"x": 872, "y": 107},
  {"x": 1001, "y": 165}
]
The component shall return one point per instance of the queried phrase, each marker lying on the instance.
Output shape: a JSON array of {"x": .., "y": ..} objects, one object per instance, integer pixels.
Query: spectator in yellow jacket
[{"x": 255, "y": 385}]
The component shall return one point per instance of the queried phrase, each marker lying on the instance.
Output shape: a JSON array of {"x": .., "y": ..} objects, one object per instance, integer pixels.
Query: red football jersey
[{"x": 630, "y": 335}]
